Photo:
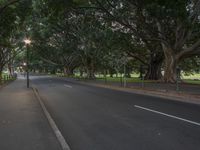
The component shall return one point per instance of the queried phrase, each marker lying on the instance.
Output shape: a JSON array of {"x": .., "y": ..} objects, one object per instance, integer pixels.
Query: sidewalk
[{"x": 23, "y": 125}]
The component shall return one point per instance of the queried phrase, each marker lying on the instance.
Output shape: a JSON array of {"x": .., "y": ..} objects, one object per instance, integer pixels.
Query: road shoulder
[{"x": 170, "y": 95}]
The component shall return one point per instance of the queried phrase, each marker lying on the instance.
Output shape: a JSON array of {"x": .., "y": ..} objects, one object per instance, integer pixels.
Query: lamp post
[
  {"x": 125, "y": 74},
  {"x": 27, "y": 42}
]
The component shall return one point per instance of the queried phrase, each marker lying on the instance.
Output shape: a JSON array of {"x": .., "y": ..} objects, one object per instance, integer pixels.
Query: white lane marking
[
  {"x": 171, "y": 116},
  {"x": 68, "y": 86},
  {"x": 61, "y": 139}
]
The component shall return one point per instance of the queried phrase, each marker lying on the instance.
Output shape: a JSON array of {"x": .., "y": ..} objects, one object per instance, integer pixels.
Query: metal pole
[
  {"x": 105, "y": 79},
  {"x": 142, "y": 81},
  {"x": 124, "y": 75},
  {"x": 177, "y": 85},
  {"x": 121, "y": 79},
  {"x": 27, "y": 64},
  {"x": 177, "y": 79}
]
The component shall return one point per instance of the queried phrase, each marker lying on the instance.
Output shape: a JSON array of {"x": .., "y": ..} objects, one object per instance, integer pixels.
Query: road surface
[{"x": 92, "y": 118}]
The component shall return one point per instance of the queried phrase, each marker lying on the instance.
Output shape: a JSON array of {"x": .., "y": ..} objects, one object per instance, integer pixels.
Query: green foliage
[
  {"x": 12, "y": 15},
  {"x": 103, "y": 35}
]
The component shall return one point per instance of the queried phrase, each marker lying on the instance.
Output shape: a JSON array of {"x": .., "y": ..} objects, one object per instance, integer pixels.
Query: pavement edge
[
  {"x": 168, "y": 96},
  {"x": 184, "y": 99},
  {"x": 59, "y": 136}
]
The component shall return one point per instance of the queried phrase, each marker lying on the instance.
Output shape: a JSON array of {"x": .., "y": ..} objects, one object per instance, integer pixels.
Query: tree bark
[
  {"x": 90, "y": 74},
  {"x": 11, "y": 71},
  {"x": 154, "y": 69},
  {"x": 68, "y": 71},
  {"x": 171, "y": 61},
  {"x": 90, "y": 71},
  {"x": 1, "y": 76},
  {"x": 111, "y": 72},
  {"x": 153, "y": 72},
  {"x": 81, "y": 72}
]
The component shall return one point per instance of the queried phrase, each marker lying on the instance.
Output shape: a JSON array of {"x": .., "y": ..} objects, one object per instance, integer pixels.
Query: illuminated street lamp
[{"x": 27, "y": 43}]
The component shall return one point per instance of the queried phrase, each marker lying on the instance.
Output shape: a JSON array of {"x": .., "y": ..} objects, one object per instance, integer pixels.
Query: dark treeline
[{"x": 104, "y": 35}]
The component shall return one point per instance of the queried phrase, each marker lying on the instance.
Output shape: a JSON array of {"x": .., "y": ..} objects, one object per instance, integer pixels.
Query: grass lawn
[
  {"x": 134, "y": 78},
  {"x": 118, "y": 79},
  {"x": 137, "y": 80},
  {"x": 8, "y": 79},
  {"x": 194, "y": 76},
  {"x": 193, "y": 79}
]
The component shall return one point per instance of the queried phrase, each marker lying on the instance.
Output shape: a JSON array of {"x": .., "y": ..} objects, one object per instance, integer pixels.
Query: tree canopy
[{"x": 103, "y": 35}]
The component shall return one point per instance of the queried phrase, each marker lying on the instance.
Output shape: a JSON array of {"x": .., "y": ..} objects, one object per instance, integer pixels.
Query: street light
[{"x": 27, "y": 43}]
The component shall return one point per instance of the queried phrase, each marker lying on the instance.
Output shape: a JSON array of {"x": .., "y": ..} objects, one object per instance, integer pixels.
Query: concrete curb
[
  {"x": 185, "y": 98},
  {"x": 61, "y": 139}
]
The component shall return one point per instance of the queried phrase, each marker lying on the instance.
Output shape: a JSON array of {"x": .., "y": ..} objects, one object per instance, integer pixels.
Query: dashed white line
[
  {"x": 68, "y": 86},
  {"x": 168, "y": 115}
]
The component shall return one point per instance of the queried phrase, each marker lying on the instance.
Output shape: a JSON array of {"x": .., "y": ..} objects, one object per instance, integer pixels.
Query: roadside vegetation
[
  {"x": 6, "y": 78},
  {"x": 193, "y": 78},
  {"x": 158, "y": 39}
]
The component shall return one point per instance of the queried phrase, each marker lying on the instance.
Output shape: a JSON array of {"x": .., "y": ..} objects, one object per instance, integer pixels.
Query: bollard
[
  {"x": 121, "y": 80},
  {"x": 142, "y": 81}
]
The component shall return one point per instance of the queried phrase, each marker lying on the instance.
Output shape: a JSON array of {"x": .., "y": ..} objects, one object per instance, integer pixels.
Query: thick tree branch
[
  {"x": 49, "y": 61},
  {"x": 138, "y": 58},
  {"x": 191, "y": 50},
  {"x": 11, "y": 2}
]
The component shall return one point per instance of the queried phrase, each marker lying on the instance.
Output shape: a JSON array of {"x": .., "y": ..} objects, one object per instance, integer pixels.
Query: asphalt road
[{"x": 92, "y": 118}]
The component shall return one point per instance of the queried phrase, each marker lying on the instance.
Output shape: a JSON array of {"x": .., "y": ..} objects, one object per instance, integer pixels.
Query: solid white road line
[
  {"x": 61, "y": 139},
  {"x": 68, "y": 86},
  {"x": 164, "y": 114}
]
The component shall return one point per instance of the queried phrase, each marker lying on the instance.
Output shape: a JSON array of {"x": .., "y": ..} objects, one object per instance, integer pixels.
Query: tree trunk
[
  {"x": 170, "y": 74},
  {"x": 68, "y": 71},
  {"x": 81, "y": 72},
  {"x": 111, "y": 72},
  {"x": 154, "y": 70},
  {"x": 10, "y": 69},
  {"x": 90, "y": 74},
  {"x": 128, "y": 72},
  {"x": 1, "y": 77},
  {"x": 1, "y": 70},
  {"x": 90, "y": 71}
]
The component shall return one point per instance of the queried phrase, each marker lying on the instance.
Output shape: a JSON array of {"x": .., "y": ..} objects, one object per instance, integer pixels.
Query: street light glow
[{"x": 27, "y": 41}]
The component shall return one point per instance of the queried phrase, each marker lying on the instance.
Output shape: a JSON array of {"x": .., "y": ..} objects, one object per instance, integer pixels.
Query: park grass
[
  {"x": 191, "y": 79},
  {"x": 192, "y": 76},
  {"x": 100, "y": 77},
  {"x": 138, "y": 80},
  {"x": 6, "y": 80},
  {"x": 119, "y": 79}
]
